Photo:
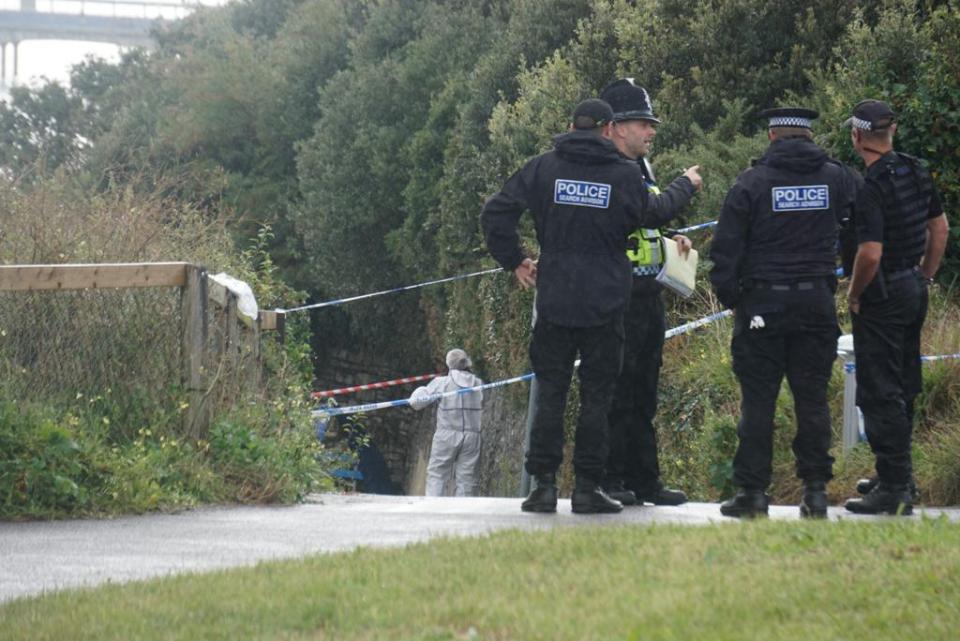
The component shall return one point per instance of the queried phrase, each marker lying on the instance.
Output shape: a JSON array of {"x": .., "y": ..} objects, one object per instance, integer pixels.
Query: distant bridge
[{"x": 120, "y": 22}]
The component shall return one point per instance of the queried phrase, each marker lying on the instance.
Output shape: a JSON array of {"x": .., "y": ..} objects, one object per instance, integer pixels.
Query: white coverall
[{"x": 456, "y": 442}]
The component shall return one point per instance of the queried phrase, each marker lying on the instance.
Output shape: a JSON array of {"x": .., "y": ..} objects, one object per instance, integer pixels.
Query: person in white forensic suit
[{"x": 456, "y": 442}]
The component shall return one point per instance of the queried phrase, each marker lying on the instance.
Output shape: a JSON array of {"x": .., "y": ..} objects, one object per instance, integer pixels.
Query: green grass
[{"x": 764, "y": 580}]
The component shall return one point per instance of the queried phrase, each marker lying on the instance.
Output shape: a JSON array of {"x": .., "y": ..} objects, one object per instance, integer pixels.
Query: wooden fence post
[
  {"x": 281, "y": 327},
  {"x": 233, "y": 349},
  {"x": 196, "y": 418},
  {"x": 256, "y": 355}
]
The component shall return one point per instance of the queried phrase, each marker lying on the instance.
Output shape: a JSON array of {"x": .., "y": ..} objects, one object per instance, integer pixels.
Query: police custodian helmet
[{"x": 629, "y": 101}]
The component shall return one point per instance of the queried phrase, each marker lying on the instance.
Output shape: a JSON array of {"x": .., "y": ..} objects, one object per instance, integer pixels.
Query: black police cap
[
  {"x": 790, "y": 117},
  {"x": 629, "y": 101},
  {"x": 592, "y": 113},
  {"x": 871, "y": 115}
]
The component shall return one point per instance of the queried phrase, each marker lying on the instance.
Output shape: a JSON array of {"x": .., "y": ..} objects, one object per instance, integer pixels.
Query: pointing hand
[{"x": 693, "y": 173}]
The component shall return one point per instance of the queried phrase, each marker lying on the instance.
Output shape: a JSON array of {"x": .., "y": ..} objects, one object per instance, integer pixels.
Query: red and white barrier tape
[{"x": 379, "y": 385}]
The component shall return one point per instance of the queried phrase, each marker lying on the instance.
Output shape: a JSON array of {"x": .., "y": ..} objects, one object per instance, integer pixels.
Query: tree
[
  {"x": 907, "y": 59},
  {"x": 40, "y": 127}
]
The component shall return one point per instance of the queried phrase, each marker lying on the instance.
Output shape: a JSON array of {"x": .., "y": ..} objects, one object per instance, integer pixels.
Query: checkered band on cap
[
  {"x": 790, "y": 121},
  {"x": 859, "y": 123}
]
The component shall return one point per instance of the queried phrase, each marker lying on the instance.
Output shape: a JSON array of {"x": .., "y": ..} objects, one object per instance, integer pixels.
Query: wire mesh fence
[
  {"x": 137, "y": 356},
  {"x": 120, "y": 346}
]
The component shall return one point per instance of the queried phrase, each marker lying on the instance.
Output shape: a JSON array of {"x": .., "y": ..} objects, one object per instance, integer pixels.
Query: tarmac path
[{"x": 38, "y": 557}]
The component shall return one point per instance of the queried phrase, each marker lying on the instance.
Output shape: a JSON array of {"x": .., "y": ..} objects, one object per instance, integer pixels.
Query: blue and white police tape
[
  {"x": 692, "y": 325},
  {"x": 851, "y": 366},
  {"x": 696, "y": 227},
  {"x": 670, "y": 333},
  {"x": 941, "y": 357},
  {"x": 369, "y": 407},
  {"x": 340, "y": 301}
]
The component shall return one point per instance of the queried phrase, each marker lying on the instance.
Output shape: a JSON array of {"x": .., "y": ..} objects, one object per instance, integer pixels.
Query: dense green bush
[
  {"x": 57, "y": 463},
  {"x": 260, "y": 460},
  {"x": 43, "y": 467}
]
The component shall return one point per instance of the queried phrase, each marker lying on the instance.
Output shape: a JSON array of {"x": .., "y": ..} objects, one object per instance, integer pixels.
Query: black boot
[
  {"x": 748, "y": 503},
  {"x": 865, "y": 486},
  {"x": 616, "y": 491},
  {"x": 589, "y": 498},
  {"x": 660, "y": 495},
  {"x": 814, "y": 502},
  {"x": 543, "y": 498},
  {"x": 883, "y": 499}
]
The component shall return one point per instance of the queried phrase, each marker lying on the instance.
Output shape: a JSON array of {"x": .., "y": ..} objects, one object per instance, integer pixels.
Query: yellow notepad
[{"x": 679, "y": 273}]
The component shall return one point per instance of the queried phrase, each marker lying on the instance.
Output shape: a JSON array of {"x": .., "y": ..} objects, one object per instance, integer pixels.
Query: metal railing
[{"x": 114, "y": 8}]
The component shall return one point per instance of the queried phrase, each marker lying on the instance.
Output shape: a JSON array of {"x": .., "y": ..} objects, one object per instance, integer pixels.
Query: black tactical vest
[{"x": 907, "y": 188}]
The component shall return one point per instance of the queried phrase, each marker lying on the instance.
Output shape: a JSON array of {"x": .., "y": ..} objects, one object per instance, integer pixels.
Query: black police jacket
[
  {"x": 586, "y": 198},
  {"x": 779, "y": 221}
]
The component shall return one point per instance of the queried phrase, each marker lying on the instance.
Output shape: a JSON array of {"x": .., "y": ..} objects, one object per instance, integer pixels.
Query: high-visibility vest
[{"x": 645, "y": 245}]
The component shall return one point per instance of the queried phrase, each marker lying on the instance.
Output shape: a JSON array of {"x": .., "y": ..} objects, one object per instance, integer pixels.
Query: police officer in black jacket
[
  {"x": 901, "y": 234},
  {"x": 774, "y": 255},
  {"x": 585, "y": 198},
  {"x": 633, "y": 469}
]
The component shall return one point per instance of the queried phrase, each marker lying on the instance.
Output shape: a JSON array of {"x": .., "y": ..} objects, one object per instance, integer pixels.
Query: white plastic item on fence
[{"x": 246, "y": 301}]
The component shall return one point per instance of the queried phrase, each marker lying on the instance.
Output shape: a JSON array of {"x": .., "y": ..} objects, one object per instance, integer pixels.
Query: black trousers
[
  {"x": 633, "y": 439},
  {"x": 886, "y": 343},
  {"x": 553, "y": 350},
  {"x": 777, "y": 333}
]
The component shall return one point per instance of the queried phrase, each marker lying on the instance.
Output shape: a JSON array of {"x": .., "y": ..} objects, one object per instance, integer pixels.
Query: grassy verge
[{"x": 766, "y": 580}]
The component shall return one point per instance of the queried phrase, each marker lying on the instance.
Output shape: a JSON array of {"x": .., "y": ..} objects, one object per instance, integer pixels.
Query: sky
[{"x": 53, "y": 59}]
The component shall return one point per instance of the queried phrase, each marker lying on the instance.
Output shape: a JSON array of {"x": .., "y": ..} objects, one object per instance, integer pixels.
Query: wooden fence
[{"x": 218, "y": 343}]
